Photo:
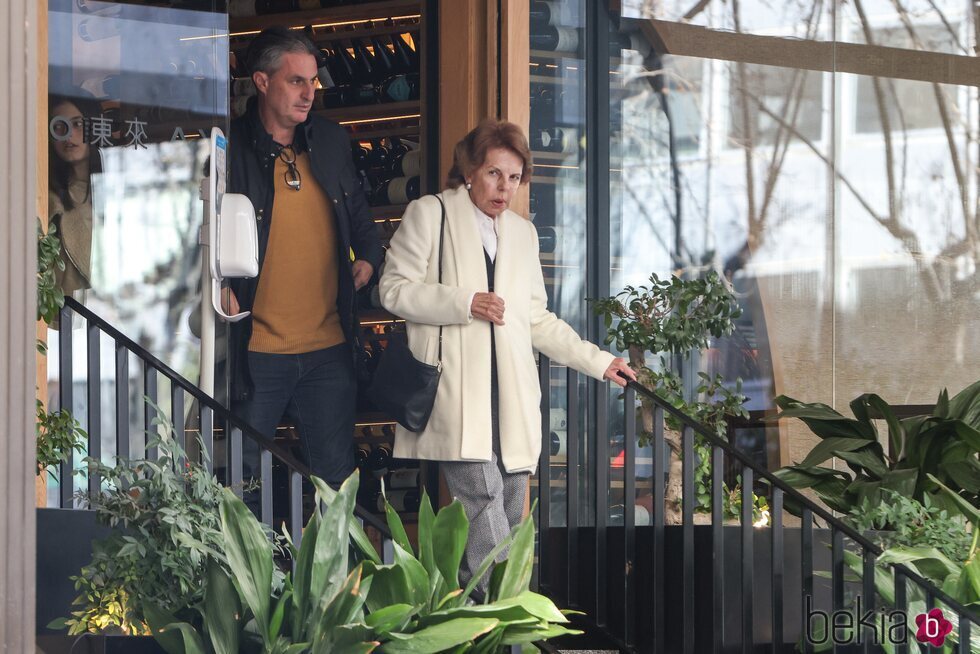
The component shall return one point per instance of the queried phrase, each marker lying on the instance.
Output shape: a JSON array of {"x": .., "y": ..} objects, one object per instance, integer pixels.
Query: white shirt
[
  {"x": 488, "y": 232},
  {"x": 487, "y": 227}
]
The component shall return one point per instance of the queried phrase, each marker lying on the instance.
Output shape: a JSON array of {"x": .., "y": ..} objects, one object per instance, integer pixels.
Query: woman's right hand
[{"x": 489, "y": 307}]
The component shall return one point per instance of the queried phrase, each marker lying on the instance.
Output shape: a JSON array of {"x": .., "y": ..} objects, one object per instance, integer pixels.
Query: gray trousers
[{"x": 493, "y": 500}]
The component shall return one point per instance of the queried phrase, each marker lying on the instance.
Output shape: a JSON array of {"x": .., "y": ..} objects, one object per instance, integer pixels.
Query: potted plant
[
  {"x": 333, "y": 603},
  {"x": 672, "y": 318},
  {"x": 943, "y": 444}
]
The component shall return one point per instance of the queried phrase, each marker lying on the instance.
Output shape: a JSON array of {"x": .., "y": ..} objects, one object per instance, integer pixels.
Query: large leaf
[
  {"x": 249, "y": 557},
  {"x": 389, "y": 585},
  {"x": 823, "y": 420},
  {"x": 520, "y": 562},
  {"x": 867, "y": 459},
  {"x": 896, "y": 432},
  {"x": 397, "y": 529},
  {"x": 418, "y": 578},
  {"x": 449, "y": 532},
  {"x": 193, "y": 644},
  {"x": 345, "y": 606},
  {"x": 901, "y": 481},
  {"x": 965, "y": 405},
  {"x": 799, "y": 477},
  {"x": 537, "y": 605},
  {"x": 440, "y": 637},
  {"x": 302, "y": 573},
  {"x": 968, "y": 434},
  {"x": 525, "y": 635},
  {"x": 330, "y": 556},
  {"x": 390, "y": 618},
  {"x": 965, "y": 473},
  {"x": 326, "y": 495},
  {"x": 968, "y": 510},
  {"x": 488, "y": 560},
  {"x": 830, "y": 447},
  {"x": 971, "y": 582},
  {"x": 437, "y": 588},
  {"x": 222, "y": 610},
  {"x": 931, "y": 562},
  {"x": 157, "y": 620}
]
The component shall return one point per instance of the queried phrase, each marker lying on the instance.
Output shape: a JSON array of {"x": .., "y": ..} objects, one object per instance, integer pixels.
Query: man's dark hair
[{"x": 266, "y": 51}]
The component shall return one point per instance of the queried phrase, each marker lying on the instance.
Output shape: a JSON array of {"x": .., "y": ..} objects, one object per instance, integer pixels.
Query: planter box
[
  {"x": 98, "y": 644},
  {"x": 555, "y": 572},
  {"x": 64, "y": 545}
]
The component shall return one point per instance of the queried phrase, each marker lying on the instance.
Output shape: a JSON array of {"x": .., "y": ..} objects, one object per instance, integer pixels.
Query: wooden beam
[
  {"x": 18, "y": 297},
  {"x": 826, "y": 56},
  {"x": 41, "y": 206},
  {"x": 515, "y": 88}
]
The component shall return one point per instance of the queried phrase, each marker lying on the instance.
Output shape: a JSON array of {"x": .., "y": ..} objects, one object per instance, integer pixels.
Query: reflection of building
[{"x": 757, "y": 143}]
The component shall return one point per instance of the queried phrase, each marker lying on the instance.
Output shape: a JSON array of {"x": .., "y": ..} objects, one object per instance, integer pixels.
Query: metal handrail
[
  {"x": 805, "y": 501},
  {"x": 292, "y": 464}
]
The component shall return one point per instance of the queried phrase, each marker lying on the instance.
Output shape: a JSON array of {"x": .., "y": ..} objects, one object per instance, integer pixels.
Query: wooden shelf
[
  {"x": 388, "y": 211},
  {"x": 373, "y": 11},
  {"x": 379, "y": 30},
  {"x": 373, "y": 112},
  {"x": 366, "y": 135},
  {"x": 376, "y": 316}
]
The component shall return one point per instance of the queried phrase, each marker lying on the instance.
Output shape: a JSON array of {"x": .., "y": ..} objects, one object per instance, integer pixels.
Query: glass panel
[
  {"x": 558, "y": 204},
  {"x": 723, "y": 165},
  {"x": 928, "y": 25},
  {"x": 133, "y": 87}
]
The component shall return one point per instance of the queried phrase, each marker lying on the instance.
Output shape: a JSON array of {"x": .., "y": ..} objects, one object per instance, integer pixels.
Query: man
[{"x": 295, "y": 355}]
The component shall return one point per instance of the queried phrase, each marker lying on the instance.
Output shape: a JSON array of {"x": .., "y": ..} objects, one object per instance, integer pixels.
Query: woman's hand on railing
[{"x": 619, "y": 372}]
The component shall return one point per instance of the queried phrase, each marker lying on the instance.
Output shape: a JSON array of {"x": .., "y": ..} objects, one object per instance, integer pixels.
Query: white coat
[{"x": 459, "y": 428}]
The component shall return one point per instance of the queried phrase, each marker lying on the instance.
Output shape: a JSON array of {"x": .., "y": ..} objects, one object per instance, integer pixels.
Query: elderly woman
[{"x": 486, "y": 422}]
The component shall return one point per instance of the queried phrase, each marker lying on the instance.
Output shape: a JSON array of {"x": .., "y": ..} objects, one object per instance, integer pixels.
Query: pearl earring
[{"x": 468, "y": 186}]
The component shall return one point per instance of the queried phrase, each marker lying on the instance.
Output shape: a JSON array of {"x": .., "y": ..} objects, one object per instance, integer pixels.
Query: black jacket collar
[{"x": 261, "y": 139}]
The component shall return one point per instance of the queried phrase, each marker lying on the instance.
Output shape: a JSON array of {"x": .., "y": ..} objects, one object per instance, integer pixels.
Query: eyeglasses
[{"x": 293, "y": 178}]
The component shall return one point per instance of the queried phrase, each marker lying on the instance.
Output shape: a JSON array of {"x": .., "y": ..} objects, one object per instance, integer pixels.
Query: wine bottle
[
  {"x": 550, "y": 12},
  {"x": 361, "y": 455},
  {"x": 397, "y": 190},
  {"x": 400, "y": 60},
  {"x": 323, "y": 70},
  {"x": 379, "y": 461},
  {"x": 405, "y": 45},
  {"x": 379, "y": 160},
  {"x": 555, "y": 39},
  {"x": 364, "y": 75},
  {"x": 404, "y": 478},
  {"x": 406, "y": 164},
  {"x": 408, "y": 500},
  {"x": 392, "y": 85},
  {"x": 558, "y": 440}
]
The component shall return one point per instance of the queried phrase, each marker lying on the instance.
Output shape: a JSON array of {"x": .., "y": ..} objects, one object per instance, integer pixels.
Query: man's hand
[
  {"x": 489, "y": 307},
  {"x": 616, "y": 368},
  {"x": 362, "y": 273},
  {"x": 229, "y": 303}
]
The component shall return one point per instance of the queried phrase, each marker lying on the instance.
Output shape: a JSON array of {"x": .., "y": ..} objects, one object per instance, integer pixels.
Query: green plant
[
  {"x": 900, "y": 521},
  {"x": 165, "y": 511},
  {"x": 671, "y": 318},
  {"x": 405, "y": 606},
  {"x": 50, "y": 297},
  {"x": 58, "y": 435},
  {"x": 957, "y": 576},
  {"x": 944, "y": 444},
  {"x": 319, "y": 608}
]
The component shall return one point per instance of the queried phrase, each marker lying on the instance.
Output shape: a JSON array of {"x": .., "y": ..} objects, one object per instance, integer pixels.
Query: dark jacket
[{"x": 251, "y": 164}]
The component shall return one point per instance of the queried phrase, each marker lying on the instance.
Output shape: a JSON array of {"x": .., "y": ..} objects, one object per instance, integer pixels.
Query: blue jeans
[{"x": 317, "y": 390}]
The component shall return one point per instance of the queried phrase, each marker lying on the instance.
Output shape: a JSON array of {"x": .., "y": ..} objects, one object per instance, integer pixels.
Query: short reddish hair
[{"x": 470, "y": 153}]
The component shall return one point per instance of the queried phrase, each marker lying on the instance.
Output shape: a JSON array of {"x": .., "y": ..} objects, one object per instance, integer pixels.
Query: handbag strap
[{"x": 442, "y": 231}]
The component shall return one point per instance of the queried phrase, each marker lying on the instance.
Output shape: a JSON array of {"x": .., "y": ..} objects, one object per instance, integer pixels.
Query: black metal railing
[
  {"x": 208, "y": 410},
  {"x": 713, "y": 587}
]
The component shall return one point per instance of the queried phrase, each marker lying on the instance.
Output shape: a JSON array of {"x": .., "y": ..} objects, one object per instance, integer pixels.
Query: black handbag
[{"x": 404, "y": 387}]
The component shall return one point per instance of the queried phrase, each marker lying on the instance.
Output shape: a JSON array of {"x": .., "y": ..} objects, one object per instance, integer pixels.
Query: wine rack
[{"x": 372, "y": 77}]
